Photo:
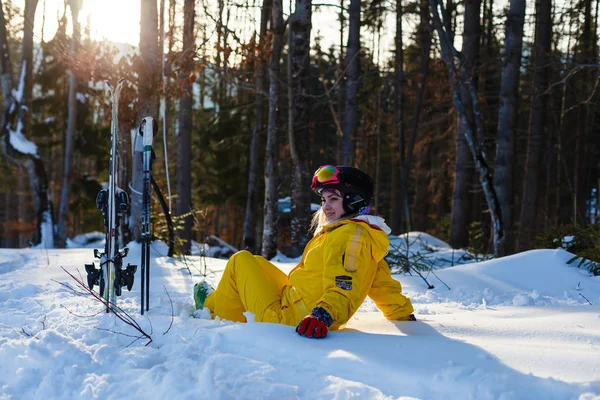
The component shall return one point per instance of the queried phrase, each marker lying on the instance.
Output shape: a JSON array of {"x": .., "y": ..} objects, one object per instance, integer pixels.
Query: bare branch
[
  {"x": 172, "y": 312},
  {"x": 119, "y": 313},
  {"x": 586, "y": 299},
  {"x": 329, "y": 5},
  {"x": 588, "y": 100},
  {"x": 26, "y": 333}
]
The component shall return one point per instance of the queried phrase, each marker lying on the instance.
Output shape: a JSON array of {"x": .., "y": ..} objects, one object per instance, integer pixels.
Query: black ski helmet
[{"x": 354, "y": 185}]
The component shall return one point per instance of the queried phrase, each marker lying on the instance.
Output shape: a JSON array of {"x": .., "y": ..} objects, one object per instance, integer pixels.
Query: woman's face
[{"x": 332, "y": 205}]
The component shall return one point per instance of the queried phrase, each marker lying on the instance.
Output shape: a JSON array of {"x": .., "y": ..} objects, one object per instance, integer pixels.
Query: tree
[
  {"x": 461, "y": 199},
  {"x": 18, "y": 149},
  {"x": 299, "y": 49},
  {"x": 5, "y": 65},
  {"x": 269, "y": 246},
  {"x": 61, "y": 234},
  {"x": 352, "y": 62},
  {"x": 406, "y": 156},
  {"x": 249, "y": 239},
  {"x": 537, "y": 126},
  {"x": 453, "y": 61},
  {"x": 507, "y": 113},
  {"x": 184, "y": 144},
  {"x": 148, "y": 82},
  {"x": 398, "y": 205}
]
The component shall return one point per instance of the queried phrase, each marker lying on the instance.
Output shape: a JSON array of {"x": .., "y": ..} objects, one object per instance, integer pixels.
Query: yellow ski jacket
[{"x": 340, "y": 267}]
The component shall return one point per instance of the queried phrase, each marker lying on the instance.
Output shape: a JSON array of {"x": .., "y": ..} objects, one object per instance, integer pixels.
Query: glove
[{"x": 315, "y": 324}]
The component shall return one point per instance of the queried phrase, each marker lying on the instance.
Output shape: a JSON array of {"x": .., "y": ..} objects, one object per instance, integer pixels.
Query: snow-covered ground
[{"x": 519, "y": 327}]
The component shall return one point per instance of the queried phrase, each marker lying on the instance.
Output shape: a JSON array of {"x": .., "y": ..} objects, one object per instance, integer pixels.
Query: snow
[
  {"x": 430, "y": 250},
  {"x": 18, "y": 94},
  {"x": 20, "y": 143},
  {"x": 17, "y": 140},
  {"x": 47, "y": 232},
  {"x": 512, "y": 328}
]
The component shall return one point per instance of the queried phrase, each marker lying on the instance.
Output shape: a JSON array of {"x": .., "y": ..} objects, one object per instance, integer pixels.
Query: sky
[
  {"x": 519, "y": 327},
  {"x": 118, "y": 21},
  {"x": 113, "y": 20}
]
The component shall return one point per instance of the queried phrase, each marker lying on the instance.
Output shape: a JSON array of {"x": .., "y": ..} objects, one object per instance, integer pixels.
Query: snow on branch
[{"x": 20, "y": 143}]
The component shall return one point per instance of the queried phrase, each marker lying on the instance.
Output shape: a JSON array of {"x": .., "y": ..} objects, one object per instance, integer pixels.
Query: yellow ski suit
[{"x": 340, "y": 266}]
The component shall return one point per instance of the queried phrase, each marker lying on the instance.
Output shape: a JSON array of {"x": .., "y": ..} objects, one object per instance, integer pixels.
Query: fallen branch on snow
[{"x": 115, "y": 309}]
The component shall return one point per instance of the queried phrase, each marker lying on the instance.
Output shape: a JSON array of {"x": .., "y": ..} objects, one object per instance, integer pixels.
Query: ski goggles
[{"x": 326, "y": 174}]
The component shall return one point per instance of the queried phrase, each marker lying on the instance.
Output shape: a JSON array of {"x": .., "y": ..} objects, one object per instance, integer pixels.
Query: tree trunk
[
  {"x": 456, "y": 81},
  {"x": 537, "y": 117},
  {"x": 341, "y": 98},
  {"x": 299, "y": 135},
  {"x": 148, "y": 82},
  {"x": 63, "y": 209},
  {"x": 249, "y": 239},
  {"x": 507, "y": 114},
  {"x": 269, "y": 244},
  {"x": 462, "y": 198},
  {"x": 425, "y": 43},
  {"x": 352, "y": 62},
  {"x": 450, "y": 25},
  {"x": 184, "y": 144},
  {"x": 399, "y": 88},
  {"x": 377, "y": 179},
  {"x": 17, "y": 148},
  {"x": 6, "y": 68},
  {"x": 583, "y": 144}
]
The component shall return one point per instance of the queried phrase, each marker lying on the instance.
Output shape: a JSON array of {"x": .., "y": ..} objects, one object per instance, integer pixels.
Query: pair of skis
[{"x": 111, "y": 277}]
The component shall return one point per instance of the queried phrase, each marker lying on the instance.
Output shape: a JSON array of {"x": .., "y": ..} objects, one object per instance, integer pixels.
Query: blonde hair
[{"x": 318, "y": 221}]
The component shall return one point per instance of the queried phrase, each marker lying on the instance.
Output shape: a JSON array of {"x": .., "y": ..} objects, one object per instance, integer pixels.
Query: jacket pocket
[{"x": 293, "y": 308}]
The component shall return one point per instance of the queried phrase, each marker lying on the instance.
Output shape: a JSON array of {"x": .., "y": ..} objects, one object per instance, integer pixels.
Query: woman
[{"x": 340, "y": 266}]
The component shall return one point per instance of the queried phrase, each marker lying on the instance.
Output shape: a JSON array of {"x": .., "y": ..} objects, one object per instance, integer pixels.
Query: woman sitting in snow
[{"x": 340, "y": 266}]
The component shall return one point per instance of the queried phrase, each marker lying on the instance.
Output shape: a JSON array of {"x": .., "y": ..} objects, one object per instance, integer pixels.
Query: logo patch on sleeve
[{"x": 344, "y": 282}]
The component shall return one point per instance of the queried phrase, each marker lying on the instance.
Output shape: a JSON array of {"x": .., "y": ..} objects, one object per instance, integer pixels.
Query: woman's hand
[{"x": 315, "y": 324}]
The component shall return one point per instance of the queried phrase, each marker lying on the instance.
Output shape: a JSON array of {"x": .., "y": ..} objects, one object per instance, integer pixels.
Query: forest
[{"x": 478, "y": 120}]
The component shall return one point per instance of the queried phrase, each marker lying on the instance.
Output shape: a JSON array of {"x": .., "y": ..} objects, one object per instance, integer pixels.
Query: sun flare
[{"x": 111, "y": 20}]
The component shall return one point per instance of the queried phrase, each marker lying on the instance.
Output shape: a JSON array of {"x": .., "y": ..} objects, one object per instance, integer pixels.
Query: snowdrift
[{"x": 520, "y": 327}]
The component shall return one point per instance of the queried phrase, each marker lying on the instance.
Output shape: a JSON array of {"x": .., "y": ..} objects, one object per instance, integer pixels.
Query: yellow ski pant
[{"x": 251, "y": 283}]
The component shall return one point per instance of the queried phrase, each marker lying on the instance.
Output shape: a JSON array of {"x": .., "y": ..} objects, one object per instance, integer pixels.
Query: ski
[
  {"x": 148, "y": 129},
  {"x": 113, "y": 202}
]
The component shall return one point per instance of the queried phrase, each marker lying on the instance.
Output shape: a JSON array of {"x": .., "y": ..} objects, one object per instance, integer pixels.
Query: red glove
[{"x": 315, "y": 324}]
